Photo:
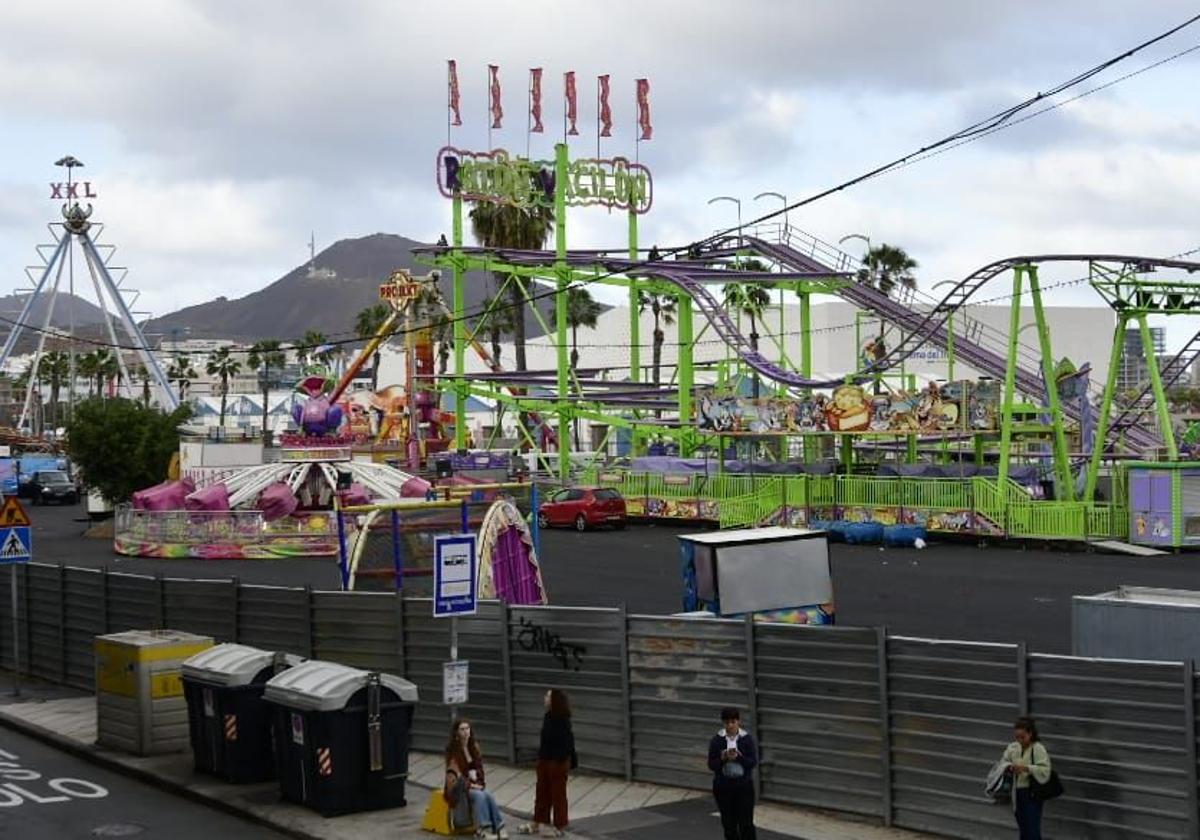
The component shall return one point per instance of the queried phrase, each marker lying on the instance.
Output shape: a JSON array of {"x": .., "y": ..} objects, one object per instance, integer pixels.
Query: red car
[{"x": 583, "y": 507}]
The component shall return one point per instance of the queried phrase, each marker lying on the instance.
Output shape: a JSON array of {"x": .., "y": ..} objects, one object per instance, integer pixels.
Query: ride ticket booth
[{"x": 775, "y": 574}]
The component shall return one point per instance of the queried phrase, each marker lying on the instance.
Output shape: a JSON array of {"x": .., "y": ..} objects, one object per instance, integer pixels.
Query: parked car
[
  {"x": 52, "y": 486},
  {"x": 583, "y": 507}
]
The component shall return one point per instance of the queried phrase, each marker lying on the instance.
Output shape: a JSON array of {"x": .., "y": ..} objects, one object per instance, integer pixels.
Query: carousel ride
[{"x": 284, "y": 508}]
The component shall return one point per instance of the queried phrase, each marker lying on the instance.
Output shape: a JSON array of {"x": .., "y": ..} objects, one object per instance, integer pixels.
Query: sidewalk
[{"x": 600, "y": 806}]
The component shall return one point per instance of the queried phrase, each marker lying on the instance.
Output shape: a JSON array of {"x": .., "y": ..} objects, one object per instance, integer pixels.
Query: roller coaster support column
[
  {"x": 1010, "y": 374},
  {"x": 460, "y": 332},
  {"x": 1065, "y": 483},
  {"x": 563, "y": 275},
  {"x": 1160, "y": 396},
  {"x": 635, "y": 350},
  {"x": 683, "y": 320},
  {"x": 1110, "y": 389},
  {"x": 805, "y": 294}
]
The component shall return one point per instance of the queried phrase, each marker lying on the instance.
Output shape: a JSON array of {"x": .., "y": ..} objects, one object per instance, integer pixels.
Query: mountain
[
  {"x": 65, "y": 305},
  {"x": 346, "y": 281}
]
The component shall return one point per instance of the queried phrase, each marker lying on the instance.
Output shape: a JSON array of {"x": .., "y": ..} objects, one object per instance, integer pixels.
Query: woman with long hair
[
  {"x": 1027, "y": 759},
  {"x": 556, "y": 757},
  {"x": 464, "y": 759}
]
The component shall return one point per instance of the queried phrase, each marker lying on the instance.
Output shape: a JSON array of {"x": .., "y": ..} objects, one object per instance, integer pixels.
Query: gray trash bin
[
  {"x": 341, "y": 736},
  {"x": 228, "y": 722}
]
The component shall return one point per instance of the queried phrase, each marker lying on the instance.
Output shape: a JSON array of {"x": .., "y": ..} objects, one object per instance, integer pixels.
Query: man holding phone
[{"x": 732, "y": 756}]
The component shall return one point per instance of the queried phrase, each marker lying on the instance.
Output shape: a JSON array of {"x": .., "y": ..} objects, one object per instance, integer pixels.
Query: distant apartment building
[{"x": 1134, "y": 370}]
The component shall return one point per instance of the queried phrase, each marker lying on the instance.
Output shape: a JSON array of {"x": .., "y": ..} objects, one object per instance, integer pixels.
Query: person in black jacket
[
  {"x": 556, "y": 756},
  {"x": 732, "y": 756}
]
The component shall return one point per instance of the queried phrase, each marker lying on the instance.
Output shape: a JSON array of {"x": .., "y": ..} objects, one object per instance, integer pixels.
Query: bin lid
[
  {"x": 327, "y": 686},
  {"x": 155, "y": 643},
  {"x": 232, "y": 665}
]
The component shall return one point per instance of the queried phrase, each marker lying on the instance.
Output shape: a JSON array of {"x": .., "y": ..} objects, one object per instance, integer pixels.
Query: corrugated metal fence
[{"x": 895, "y": 728}]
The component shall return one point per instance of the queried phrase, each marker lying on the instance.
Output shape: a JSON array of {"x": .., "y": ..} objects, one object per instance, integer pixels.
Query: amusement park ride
[{"x": 1018, "y": 452}]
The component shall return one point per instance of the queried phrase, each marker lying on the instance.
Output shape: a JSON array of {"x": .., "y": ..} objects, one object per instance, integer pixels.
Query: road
[
  {"x": 50, "y": 795},
  {"x": 998, "y": 593}
]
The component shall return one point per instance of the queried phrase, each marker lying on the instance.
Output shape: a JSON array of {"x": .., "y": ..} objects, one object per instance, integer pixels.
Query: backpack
[{"x": 458, "y": 797}]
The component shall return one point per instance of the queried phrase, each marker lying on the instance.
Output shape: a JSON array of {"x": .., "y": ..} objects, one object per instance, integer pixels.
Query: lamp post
[
  {"x": 949, "y": 335},
  {"x": 784, "y": 240},
  {"x": 861, "y": 236},
  {"x": 738, "y": 202}
]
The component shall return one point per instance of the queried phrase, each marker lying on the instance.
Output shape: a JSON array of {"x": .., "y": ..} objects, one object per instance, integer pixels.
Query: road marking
[{"x": 13, "y": 796}]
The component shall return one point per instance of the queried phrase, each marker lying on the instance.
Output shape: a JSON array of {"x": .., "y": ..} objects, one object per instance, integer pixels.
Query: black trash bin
[
  {"x": 341, "y": 736},
  {"x": 228, "y": 721}
]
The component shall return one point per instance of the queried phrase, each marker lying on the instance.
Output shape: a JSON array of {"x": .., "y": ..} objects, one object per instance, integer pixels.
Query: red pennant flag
[
  {"x": 571, "y": 105},
  {"x": 643, "y": 104},
  {"x": 605, "y": 111},
  {"x": 497, "y": 111},
  {"x": 535, "y": 99},
  {"x": 457, "y": 116}
]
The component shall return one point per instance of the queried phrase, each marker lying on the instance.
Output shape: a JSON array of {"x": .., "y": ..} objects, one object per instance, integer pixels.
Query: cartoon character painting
[
  {"x": 315, "y": 416},
  {"x": 848, "y": 410}
]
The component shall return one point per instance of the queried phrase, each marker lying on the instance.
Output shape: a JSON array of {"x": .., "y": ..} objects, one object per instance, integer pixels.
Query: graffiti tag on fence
[{"x": 535, "y": 638}]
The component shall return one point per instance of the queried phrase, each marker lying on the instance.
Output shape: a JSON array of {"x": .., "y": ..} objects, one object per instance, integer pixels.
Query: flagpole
[
  {"x": 564, "y": 108},
  {"x": 449, "y": 119},
  {"x": 528, "y": 112},
  {"x": 488, "y": 99},
  {"x": 637, "y": 127}
]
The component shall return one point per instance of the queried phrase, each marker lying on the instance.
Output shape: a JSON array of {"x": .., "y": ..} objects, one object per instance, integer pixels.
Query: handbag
[
  {"x": 999, "y": 782},
  {"x": 1051, "y": 789},
  {"x": 459, "y": 799}
]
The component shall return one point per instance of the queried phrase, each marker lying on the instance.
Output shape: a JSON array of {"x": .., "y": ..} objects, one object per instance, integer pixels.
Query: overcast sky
[{"x": 220, "y": 134}]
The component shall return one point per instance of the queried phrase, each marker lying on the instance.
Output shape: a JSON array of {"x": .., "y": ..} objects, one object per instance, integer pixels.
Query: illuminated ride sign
[
  {"x": 399, "y": 289},
  {"x": 502, "y": 179}
]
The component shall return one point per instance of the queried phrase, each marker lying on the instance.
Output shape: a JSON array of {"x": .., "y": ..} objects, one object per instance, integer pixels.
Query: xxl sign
[{"x": 500, "y": 178}]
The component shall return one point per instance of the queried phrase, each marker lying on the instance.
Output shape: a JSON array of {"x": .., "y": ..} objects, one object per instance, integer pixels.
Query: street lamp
[
  {"x": 738, "y": 202},
  {"x": 782, "y": 198},
  {"x": 861, "y": 236}
]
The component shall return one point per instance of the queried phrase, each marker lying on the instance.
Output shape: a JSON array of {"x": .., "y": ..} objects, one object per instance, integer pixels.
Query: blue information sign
[
  {"x": 16, "y": 545},
  {"x": 454, "y": 575}
]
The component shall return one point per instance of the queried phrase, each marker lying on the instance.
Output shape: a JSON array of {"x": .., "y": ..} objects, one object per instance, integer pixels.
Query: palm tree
[
  {"x": 752, "y": 299},
  {"x": 180, "y": 370},
  {"x": 306, "y": 347},
  {"x": 663, "y": 309},
  {"x": 105, "y": 368},
  {"x": 88, "y": 367},
  {"x": 582, "y": 311},
  {"x": 886, "y": 266},
  {"x": 140, "y": 373},
  {"x": 495, "y": 322},
  {"x": 57, "y": 367},
  {"x": 502, "y": 226},
  {"x": 223, "y": 366},
  {"x": 369, "y": 322},
  {"x": 266, "y": 354}
]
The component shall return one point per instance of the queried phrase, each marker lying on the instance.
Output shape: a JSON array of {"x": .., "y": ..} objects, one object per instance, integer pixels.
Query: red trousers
[{"x": 551, "y": 792}]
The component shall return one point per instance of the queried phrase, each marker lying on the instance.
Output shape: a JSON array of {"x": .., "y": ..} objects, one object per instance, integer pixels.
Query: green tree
[
  {"x": 264, "y": 355},
  {"x": 306, "y": 348},
  {"x": 495, "y": 322},
  {"x": 582, "y": 311},
  {"x": 366, "y": 325},
  {"x": 56, "y": 365},
  {"x": 142, "y": 374},
  {"x": 88, "y": 366},
  {"x": 223, "y": 366},
  {"x": 662, "y": 307},
  {"x": 120, "y": 445},
  {"x": 887, "y": 266},
  {"x": 180, "y": 370},
  {"x": 503, "y": 226},
  {"x": 751, "y": 299}
]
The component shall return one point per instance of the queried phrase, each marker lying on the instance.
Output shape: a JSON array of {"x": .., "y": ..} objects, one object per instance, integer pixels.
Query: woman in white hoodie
[{"x": 1027, "y": 759}]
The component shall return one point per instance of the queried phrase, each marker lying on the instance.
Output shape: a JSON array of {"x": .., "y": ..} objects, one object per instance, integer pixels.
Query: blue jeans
[
  {"x": 1028, "y": 812},
  {"x": 485, "y": 809}
]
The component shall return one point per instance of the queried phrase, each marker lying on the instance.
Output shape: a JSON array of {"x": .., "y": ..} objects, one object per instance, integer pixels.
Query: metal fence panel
[
  {"x": 951, "y": 705},
  {"x": 6, "y": 622},
  {"x": 84, "y": 617},
  {"x": 132, "y": 602},
  {"x": 1117, "y": 733},
  {"x": 204, "y": 607},
  {"x": 44, "y": 624},
  {"x": 819, "y": 724},
  {"x": 681, "y": 672},
  {"x": 577, "y": 650},
  {"x": 480, "y": 642},
  {"x": 274, "y": 618},
  {"x": 358, "y": 629}
]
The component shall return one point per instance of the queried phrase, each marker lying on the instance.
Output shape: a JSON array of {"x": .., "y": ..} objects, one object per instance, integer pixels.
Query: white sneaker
[{"x": 502, "y": 834}]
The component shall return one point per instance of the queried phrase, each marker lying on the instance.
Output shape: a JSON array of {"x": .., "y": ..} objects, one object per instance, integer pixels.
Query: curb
[{"x": 92, "y": 755}]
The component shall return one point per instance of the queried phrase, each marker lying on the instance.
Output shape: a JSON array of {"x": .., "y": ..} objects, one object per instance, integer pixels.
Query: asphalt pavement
[
  {"x": 50, "y": 795},
  {"x": 1003, "y": 593}
]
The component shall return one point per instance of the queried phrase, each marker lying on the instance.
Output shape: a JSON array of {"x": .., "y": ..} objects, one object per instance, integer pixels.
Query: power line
[{"x": 980, "y": 128}]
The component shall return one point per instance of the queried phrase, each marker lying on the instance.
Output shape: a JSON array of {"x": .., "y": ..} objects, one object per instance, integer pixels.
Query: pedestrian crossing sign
[{"x": 16, "y": 545}]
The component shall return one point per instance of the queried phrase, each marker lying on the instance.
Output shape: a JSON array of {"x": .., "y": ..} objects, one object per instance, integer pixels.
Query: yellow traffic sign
[{"x": 13, "y": 514}]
